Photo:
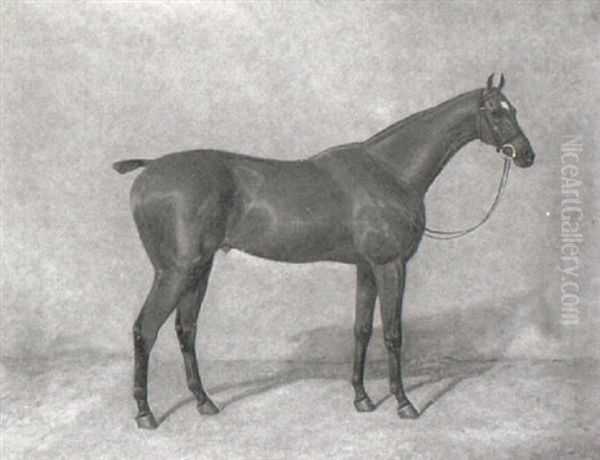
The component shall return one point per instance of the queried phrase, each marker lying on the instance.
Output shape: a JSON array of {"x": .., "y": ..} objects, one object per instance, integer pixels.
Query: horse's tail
[{"x": 125, "y": 166}]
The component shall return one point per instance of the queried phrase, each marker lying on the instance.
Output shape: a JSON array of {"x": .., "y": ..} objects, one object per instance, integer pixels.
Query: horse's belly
[
  {"x": 293, "y": 243},
  {"x": 296, "y": 217},
  {"x": 282, "y": 234}
]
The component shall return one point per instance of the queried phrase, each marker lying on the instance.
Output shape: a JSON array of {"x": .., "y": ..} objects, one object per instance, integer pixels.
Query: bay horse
[{"x": 359, "y": 203}]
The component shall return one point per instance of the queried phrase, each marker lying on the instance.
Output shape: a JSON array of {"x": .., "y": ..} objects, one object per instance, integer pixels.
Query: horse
[{"x": 360, "y": 203}]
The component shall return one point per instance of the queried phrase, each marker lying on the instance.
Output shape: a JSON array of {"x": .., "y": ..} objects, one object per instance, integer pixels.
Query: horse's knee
[
  {"x": 362, "y": 334},
  {"x": 185, "y": 334},
  {"x": 393, "y": 342}
]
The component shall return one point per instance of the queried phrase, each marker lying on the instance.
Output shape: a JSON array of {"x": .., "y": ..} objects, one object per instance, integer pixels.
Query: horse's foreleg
[
  {"x": 185, "y": 325},
  {"x": 163, "y": 297},
  {"x": 390, "y": 279},
  {"x": 366, "y": 294}
]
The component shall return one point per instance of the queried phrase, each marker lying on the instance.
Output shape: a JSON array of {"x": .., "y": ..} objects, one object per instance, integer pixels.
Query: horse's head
[{"x": 498, "y": 125}]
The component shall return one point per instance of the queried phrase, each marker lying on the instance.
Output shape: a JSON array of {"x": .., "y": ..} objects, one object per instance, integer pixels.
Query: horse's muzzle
[
  {"x": 525, "y": 158},
  {"x": 520, "y": 151}
]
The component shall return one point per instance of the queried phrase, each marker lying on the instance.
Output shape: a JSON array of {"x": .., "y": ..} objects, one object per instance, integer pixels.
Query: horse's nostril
[{"x": 528, "y": 157}]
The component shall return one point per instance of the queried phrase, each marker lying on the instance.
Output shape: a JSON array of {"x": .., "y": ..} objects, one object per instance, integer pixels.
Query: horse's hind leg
[
  {"x": 181, "y": 256},
  {"x": 163, "y": 297},
  {"x": 185, "y": 325}
]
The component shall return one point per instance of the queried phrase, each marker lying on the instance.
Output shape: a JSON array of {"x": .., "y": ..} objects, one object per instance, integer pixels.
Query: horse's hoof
[
  {"x": 207, "y": 407},
  {"x": 364, "y": 405},
  {"x": 146, "y": 421},
  {"x": 408, "y": 411}
]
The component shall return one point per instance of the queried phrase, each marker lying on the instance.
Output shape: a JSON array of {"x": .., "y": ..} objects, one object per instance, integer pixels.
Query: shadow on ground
[
  {"x": 484, "y": 392},
  {"x": 439, "y": 352}
]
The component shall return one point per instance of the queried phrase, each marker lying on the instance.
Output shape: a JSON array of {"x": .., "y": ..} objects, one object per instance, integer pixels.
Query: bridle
[
  {"x": 504, "y": 147},
  {"x": 507, "y": 151}
]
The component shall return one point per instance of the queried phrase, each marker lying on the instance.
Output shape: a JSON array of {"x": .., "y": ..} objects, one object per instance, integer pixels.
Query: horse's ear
[
  {"x": 501, "y": 85},
  {"x": 490, "y": 82}
]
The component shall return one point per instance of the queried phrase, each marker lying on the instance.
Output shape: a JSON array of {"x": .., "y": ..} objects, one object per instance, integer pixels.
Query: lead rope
[{"x": 451, "y": 234}]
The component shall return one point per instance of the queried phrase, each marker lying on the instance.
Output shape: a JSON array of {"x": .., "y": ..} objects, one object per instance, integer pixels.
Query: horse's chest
[{"x": 387, "y": 226}]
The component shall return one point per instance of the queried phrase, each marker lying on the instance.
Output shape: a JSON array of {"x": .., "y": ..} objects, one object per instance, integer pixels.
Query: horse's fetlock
[
  {"x": 196, "y": 388},
  {"x": 139, "y": 393}
]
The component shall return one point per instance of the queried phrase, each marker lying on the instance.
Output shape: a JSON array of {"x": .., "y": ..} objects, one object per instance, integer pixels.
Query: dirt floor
[{"x": 79, "y": 406}]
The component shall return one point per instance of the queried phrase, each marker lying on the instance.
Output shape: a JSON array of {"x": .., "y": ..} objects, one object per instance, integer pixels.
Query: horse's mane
[{"x": 409, "y": 121}]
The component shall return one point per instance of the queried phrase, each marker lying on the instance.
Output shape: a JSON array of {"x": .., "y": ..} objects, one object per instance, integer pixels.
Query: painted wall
[{"x": 90, "y": 84}]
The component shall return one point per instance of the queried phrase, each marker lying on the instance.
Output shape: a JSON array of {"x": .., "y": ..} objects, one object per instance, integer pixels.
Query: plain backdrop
[{"x": 86, "y": 84}]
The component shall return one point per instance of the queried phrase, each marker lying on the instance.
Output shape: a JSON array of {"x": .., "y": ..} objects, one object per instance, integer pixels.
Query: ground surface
[{"x": 80, "y": 407}]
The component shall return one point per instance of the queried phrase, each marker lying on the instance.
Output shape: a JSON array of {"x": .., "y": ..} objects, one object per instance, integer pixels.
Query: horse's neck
[{"x": 417, "y": 148}]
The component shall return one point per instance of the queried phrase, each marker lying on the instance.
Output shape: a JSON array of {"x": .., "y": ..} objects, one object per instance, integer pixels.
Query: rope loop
[{"x": 452, "y": 234}]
